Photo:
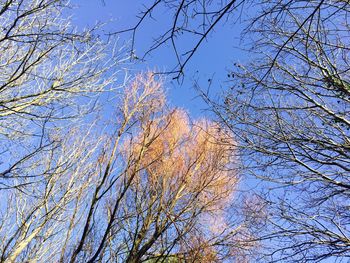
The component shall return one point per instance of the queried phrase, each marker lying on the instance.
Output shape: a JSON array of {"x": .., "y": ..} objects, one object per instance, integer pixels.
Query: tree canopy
[{"x": 97, "y": 166}]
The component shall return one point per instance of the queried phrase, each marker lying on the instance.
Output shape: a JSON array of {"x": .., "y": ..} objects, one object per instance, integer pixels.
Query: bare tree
[
  {"x": 162, "y": 180},
  {"x": 37, "y": 216},
  {"x": 49, "y": 74},
  {"x": 146, "y": 186},
  {"x": 288, "y": 110},
  {"x": 147, "y": 189},
  {"x": 290, "y": 116}
]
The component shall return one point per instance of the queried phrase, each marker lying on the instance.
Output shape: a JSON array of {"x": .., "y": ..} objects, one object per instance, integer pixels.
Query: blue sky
[{"x": 212, "y": 61}]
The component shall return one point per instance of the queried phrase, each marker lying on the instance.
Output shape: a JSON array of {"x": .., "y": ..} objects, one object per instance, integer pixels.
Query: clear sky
[{"x": 212, "y": 61}]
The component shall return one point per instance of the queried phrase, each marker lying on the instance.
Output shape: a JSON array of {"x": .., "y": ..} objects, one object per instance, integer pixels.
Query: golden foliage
[{"x": 183, "y": 159}]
